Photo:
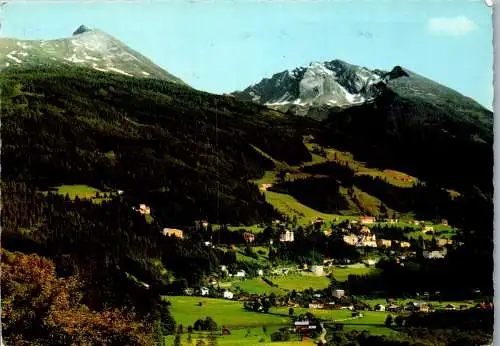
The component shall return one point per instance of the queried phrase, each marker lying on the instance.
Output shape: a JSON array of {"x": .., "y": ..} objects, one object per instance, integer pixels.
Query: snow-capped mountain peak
[
  {"x": 332, "y": 84},
  {"x": 87, "y": 47}
]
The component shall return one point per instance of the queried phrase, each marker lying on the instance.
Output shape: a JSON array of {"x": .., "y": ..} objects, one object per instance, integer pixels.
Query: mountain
[
  {"x": 90, "y": 48},
  {"x": 321, "y": 88}
]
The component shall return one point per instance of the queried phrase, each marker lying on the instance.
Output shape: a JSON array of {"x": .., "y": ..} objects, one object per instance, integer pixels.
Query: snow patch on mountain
[{"x": 14, "y": 58}]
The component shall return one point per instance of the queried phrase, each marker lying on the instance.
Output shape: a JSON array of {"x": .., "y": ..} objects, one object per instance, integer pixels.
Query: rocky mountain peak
[{"x": 81, "y": 29}]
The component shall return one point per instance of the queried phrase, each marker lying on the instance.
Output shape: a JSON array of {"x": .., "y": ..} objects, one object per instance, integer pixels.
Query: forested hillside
[{"x": 142, "y": 135}]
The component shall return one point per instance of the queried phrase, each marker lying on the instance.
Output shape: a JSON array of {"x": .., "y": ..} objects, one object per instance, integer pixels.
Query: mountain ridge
[
  {"x": 91, "y": 48},
  {"x": 318, "y": 88}
]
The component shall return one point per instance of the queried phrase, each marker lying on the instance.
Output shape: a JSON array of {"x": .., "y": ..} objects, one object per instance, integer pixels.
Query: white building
[
  {"x": 338, "y": 293},
  {"x": 317, "y": 270},
  {"x": 240, "y": 274},
  {"x": 204, "y": 291},
  {"x": 286, "y": 236},
  {"x": 433, "y": 254},
  {"x": 228, "y": 294}
]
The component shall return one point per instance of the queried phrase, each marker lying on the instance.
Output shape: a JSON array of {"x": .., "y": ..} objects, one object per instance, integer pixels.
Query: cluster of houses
[
  {"x": 367, "y": 239},
  {"x": 142, "y": 209}
]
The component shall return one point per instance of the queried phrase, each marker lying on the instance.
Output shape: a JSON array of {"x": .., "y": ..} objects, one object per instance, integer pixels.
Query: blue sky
[{"x": 222, "y": 46}]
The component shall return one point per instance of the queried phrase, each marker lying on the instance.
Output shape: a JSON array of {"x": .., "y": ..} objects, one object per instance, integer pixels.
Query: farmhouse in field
[
  {"x": 338, "y": 293},
  {"x": 365, "y": 230},
  {"x": 286, "y": 236},
  {"x": 443, "y": 242},
  {"x": 367, "y": 220},
  {"x": 249, "y": 237},
  {"x": 350, "y": 239},
  {"x": 384, "y": 243},
  {"x": 316, "y": 306},
  {"x": 173, "y": 232},
  {"x": 228, "y": 294},
  {"x": 143, "y": 209},
  {"x": 426, "y": 229},
  {"x": 317, "y": 270},
  {"x": 404, "y": 244},
  {"x": 433, "y": 254}
]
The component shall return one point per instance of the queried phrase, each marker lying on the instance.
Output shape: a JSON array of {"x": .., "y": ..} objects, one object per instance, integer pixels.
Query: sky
[{"x": 222, "y": 46}]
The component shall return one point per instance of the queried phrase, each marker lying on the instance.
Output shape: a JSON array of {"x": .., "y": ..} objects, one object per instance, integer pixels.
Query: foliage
[{"x": 39, "y": 307}]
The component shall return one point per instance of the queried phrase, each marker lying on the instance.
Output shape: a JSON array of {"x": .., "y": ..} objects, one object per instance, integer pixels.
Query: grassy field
[
  {"x": 231, "y": 314},
  {"x": 246, "y": 326},
  {"x": 244, "y": 337},
  {"x": 256, "y": 286},
  {"x": 341, "y": 274},
  {"x": 82, "y": 191},
  {"x": 300, "y": 282}
]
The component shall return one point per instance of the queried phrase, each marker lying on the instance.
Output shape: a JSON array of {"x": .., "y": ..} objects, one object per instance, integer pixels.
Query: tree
[
  {"x": 398, "y": 320},
  {"x": 180, "y": 329},
  {"x": 264, "y": 329},
  {"x": 189, "y": 339},
  {"x": 45, "y": 309},
  {"x": 388, "y": 321},
  {"x": 290, "y": 312},
  {"x": 212, "y": 339},
  {"x": 177, "y": 340}
]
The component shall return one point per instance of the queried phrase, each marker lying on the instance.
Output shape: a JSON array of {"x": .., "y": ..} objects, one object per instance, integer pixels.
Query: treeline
[
  {"x": 446, "y": 145},
  {"x": 322, "y": 194},
  {"x": 109, "y": 131},
  {"x": 119, "y": 259}
]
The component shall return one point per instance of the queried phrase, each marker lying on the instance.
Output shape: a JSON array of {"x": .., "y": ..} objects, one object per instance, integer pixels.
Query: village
[{"x": 356, "y": 233}]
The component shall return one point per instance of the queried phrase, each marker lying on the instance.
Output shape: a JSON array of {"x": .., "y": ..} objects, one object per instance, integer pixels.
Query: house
[
  {"x": 249, "y": 237},
  {"x": 426, "y": 229},
  {"x": 188, "y": 291},
  {"x": 443, "y": 242},
  {"x": 350, "y": 239},
  {"x": 433, "y": 254},
  {"x": 367, "y": 220},
  {"x": 346, "y": 307},
  {"x": 392, "y": 308},
  {"x": 384, "y": 243},
  {"x": 204, "y": 291},
  {"x": 264, "y": 187},
  {"x": 317, "y": 270},
  {"x": 338, "y": 293},
  {"x": 316, "y": 306},
  {"x": 365, "y": 230},
  {"x": 240, "y": 274},
  {"x": 370, "y": 262},
  {"x": 424, "y": 308},
  {"x": 379, "y": 307},
  {"x": 260, "y": 272},
  {"x": 404, "y": 244},
  {"x": 286, "y": 236},
  {"x": 444, "y": 222},
  {"x": 368, "y": 243},
  {"x": 228, "y": 294},
  {"x": 318, "y": 221},
  {"x": 143, "y": 209},
  {"x": 167, "y": 232}
]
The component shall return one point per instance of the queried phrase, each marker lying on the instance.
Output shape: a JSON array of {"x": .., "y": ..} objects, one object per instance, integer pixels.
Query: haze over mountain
[{"x": 90, "y": 48}]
